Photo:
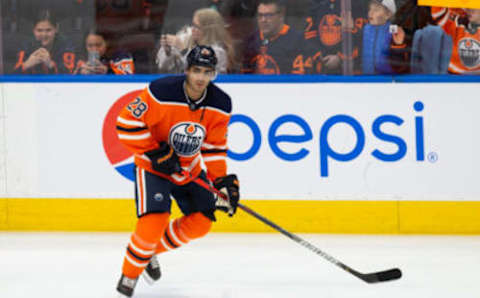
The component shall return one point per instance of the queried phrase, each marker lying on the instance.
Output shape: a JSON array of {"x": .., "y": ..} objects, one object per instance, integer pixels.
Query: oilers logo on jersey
[
  {"x": 469, "y": 52},
  {"x": 186, "y": 138}
]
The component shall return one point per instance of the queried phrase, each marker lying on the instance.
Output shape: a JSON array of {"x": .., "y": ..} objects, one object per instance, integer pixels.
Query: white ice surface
[{"x": 242, "y": 266}]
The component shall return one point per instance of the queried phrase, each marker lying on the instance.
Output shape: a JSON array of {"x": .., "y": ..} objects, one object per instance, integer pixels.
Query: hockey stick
[{"x": 374, "y": 277}]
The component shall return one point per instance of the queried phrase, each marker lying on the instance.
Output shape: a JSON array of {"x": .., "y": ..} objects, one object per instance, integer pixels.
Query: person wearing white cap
[
  {"x": 377, "y": 37},
  {"x": 390, "y": 5},
  {"x": 380, "y": 11}
]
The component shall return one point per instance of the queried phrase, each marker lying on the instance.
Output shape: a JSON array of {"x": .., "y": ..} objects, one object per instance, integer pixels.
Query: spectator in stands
[
  {"x": 431, "y": 51},
  {"x": 131, "y": 25},
  {"x": 207, "y": 28},
  {"x": 408, "y": 19},
  {"x": 47, "y": 52},
  {"x": 327, "y": 27},
  {"x": 465, "y": 32},
  {"x": 275, "y": 48},
  {"x": 96, "y": 61},
  {"x": 239, "y": 15},
  {"x": 377, "y": 37}
]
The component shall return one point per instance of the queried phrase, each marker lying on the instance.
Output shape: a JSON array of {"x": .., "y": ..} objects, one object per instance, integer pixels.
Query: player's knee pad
[
  {"x": 195, "y": 225},
  {"x": 151, "y": 227}
]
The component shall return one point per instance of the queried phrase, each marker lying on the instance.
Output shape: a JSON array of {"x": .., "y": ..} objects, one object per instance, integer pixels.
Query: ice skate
[
  {"x": 126, "y": 286},
  {"x": 152, "y": 272}
]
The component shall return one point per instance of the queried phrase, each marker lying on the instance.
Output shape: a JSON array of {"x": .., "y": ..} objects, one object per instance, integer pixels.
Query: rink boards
[{"x": 330, "y": 157}]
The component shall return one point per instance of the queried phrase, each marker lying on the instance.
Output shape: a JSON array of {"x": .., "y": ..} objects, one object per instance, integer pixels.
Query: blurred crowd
[{"x": 122, "y": 37}]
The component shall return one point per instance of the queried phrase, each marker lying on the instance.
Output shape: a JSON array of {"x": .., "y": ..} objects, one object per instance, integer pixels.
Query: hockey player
[{"x": 170, "y": 127}]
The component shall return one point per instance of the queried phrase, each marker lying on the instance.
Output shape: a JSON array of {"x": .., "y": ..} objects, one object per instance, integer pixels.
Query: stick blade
[
  {"x": 391, "y": 274},
  {"x": 382, "y": 276}
]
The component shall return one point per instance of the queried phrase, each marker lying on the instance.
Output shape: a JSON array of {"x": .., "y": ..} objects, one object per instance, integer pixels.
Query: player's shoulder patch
[
  {"x": 167, "y": 88},
  {"x": 218, "y": 99}
]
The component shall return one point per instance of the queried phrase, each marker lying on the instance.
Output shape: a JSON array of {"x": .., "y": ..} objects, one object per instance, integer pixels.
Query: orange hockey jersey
[
  {"x": 161, "y": 113},
  {"x": 466, "y": 41}
]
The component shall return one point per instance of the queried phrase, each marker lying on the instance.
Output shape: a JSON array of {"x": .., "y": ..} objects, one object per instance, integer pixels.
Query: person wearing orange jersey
[
  {"x": 95, "y": 60},
  {"x": 171, "y": 127},
  {"x": 465, "y": 32}
]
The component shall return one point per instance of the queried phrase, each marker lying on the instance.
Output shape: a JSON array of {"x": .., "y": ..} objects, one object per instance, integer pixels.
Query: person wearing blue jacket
[{"x": 377, "y": 35}]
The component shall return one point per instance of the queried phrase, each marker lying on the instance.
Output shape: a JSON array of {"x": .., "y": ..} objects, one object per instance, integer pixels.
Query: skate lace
[{"x": 154, "y": 262}]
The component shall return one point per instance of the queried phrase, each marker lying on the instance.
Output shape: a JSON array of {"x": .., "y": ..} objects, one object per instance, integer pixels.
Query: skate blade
[{"x": 148, "y": 279}]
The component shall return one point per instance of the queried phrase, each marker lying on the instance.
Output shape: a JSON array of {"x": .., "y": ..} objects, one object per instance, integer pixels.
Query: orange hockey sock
[
  {"x": 143, "y": 243},
  {"x": 181, "y": 230}
]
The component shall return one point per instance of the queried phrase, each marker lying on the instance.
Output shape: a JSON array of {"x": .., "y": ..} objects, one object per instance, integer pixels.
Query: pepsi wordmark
[{"x": 326, "y": 151}]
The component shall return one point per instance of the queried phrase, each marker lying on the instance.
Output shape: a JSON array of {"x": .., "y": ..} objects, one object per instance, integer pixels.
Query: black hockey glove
[
  {"x": 230, "y": 187},
  {"x": 164, "y": 159}
]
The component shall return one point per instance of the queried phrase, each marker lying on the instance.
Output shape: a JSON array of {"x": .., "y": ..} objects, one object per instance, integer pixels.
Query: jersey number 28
[{"x": 137, "y": 107}]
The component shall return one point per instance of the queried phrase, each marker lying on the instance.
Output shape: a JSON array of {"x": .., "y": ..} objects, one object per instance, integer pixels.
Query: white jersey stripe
[
  {"x": 135, "y": 263},
  {"x": 144, "y": 197},
  {"x": 214, "y": 158},
  {"x": 193, "y": 164},
  {"x": 210, "y": 146},
  {"x": 143, "y": 156},
  {"x": 177, "y": 223},
  {"x": 455, "y": 68},
  {"x": 151, "y": 246},
  {"x": 165, "y": 244},
  {"x": 123, "y": 60},
  {"x": 142, "y": 251},
  {"x": 439, "y": 13},
  {"x": 139, "y": 197},
  {"x": 444, "y": 20},
  {"x": 135, "y": 137},
  {"x": 172, "y": 232},
  {"x": 130, "y": 122},
  {"x": 178, "y": 177}
]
